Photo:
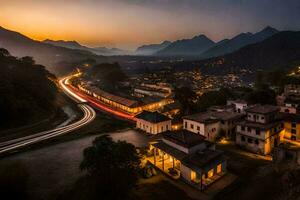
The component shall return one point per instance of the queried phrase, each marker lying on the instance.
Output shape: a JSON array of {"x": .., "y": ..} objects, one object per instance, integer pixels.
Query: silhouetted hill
[
  {"x": 66, "y": 44},
  {"x": 282, "y": 50},
  {"x": 187, "y": 47},
  {"x": 27, "y": 92},
  {"x": 45, "y": 54},
  {"x": 239, "y": 41},
  {"x": 98, "y": 50},
  {"x": 151, "y": 48}
]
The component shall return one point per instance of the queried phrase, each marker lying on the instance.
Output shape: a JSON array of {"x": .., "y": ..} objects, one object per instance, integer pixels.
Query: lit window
[
  {"x": 219, "y": 168},
  {"x": 193, "y": 175},
  {"x": 210, "y": 173}
]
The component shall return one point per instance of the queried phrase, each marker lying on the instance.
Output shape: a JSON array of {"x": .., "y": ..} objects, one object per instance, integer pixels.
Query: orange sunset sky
[{"x": 129, "y": 23}]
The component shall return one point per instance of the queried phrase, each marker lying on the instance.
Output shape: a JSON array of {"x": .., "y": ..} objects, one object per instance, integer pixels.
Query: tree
[
  {"x": 263, "y": 95},
  {"x": 108, "y": 74},
  {"x": 187, "y": 98},
  {"x": 213, "y": 98},
  {"x": 112, "y": 168},
  {"x": 27, "y": 93}
]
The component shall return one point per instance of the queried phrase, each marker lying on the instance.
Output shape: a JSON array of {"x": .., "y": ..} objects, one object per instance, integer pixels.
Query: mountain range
[
  {"x": 265, "y": 49},
  {"x": 187, "y": 47},
  {"x": 98, "y": 50},
  {"x": 280, "y": 51},
  {"x": 237, "y": 42},
  {"x": 203, "y": 47},
  {"x": 151, "y": 49}
]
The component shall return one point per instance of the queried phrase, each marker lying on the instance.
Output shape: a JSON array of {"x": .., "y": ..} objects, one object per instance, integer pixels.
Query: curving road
[{"x": 89, "y": 115}]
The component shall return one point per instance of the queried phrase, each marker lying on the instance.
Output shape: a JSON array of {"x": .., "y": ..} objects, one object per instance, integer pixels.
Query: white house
[
  {"x": 153, "y": 122},
  {"x": 189, "y": 156},
  {"x": 239, "y": 105},
  {"x": 210, "y": 124}
]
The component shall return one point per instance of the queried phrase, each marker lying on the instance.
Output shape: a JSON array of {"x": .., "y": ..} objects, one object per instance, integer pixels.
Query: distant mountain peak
[{"x": 270, "y": 29}]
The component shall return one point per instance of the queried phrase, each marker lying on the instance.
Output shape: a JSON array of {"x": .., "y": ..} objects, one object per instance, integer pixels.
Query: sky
[{"x": 130, "y": 23}]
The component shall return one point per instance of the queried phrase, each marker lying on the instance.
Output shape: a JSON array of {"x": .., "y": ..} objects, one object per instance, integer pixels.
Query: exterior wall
[
  {"x": 210, "y": 131},
  {"x": 153, "y": 128},
  {"x": 240, "y": 107},
  {"x": 292, "y": 130},
  {"x": 257, "y": 146},
  {"x": 252, "y": 132},
  {"x": 194, "y": 127},
  {"x": 261, "y": 118},
  {"x": 228, "y": 127},
  {"x": 185, "y": 173},
  {"x": 262, "y": 143}
]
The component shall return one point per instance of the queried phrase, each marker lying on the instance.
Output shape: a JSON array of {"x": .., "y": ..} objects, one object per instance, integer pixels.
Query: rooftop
[
  {"x": 184, "y": 138},
  {"x": 112, "y": 97},
  {"x": 204, "y": 160},
  {"x": 262, "y": 109},
  {"x": 213, "y": 116},
  {"x": 153, "y": 117},
  {"x": 179, "y": 155}
]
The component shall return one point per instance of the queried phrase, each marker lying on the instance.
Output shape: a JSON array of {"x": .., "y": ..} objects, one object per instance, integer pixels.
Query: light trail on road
[{"x": 85, "y": 98}]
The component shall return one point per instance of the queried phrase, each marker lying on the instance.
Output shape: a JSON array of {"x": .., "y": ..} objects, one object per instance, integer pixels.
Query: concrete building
[
  {"x": 262, "y": 129},
  {"x": 153, "y": 122},
  {"x": 123, "y": 104},
  {"x": 292, "y": 91},
  {"x": 239, "y": 105},
  {"x": 291, "y": 124},
  {"x": 290, "y": 106},
  {"x": 186, "y": 155},
  {"x": 211, "y": 124}
]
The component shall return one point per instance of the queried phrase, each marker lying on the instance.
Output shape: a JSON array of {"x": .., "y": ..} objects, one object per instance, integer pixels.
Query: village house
[
  {"x": 292, "y": 91},
  {"x": 239, "y": 105},
  {"x": 291, "y": 124},
  {"x": 212, "y": 124},
  {"x": 262, "y": 129},
  {"x": 186, "y": 155},
  {"x": 153, "y": 122},
  {"x": 289, "y": 106}
]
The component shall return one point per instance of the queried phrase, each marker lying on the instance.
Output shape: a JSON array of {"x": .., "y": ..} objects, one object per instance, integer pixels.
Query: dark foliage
[
  {"x": 213, "y": 98},
  {"x": 27, "y": 93},
  {"x": 107, "y": 75},
  {"x": 187, "y": 98},
  {"x": 261, "y": 95},
  {"x": 112, "y": 170},
  {"x": 14, "y": 181}
]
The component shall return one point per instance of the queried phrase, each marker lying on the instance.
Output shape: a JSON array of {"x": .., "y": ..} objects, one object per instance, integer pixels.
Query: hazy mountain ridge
[
  {"x": 151, "y": 48},
  {"x": 187, "y": 47},
  {"x": 97, "y": 50}
]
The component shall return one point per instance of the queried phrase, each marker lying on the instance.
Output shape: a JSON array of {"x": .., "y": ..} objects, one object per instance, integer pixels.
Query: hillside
[
  {"x": 282, "y": 50},
  {"x": 22, "y": 99},
  {"x": 45, "y": 54},
  {"x": 75, "y": 45},
  {"x": 237, "y": 42},
  {"x": 187, "y": 47}
]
